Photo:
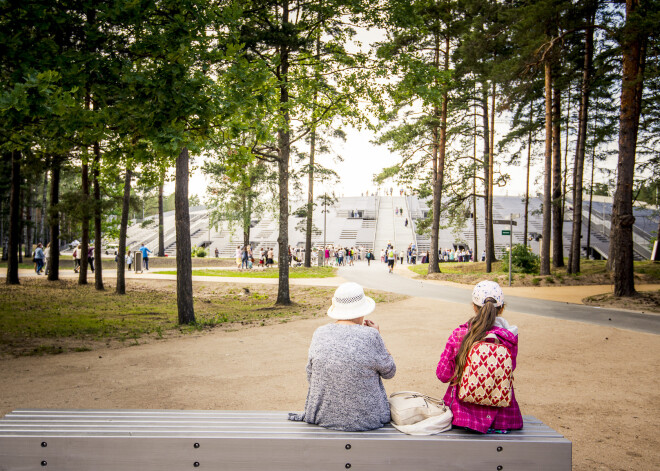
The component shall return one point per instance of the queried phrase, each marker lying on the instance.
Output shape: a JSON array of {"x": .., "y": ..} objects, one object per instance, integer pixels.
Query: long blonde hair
[{"x": 478, "y": 327}]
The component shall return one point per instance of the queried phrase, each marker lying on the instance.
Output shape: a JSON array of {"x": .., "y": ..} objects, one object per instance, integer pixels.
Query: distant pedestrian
[
  {"x": 77, "y": 256},
  {"x": 238, "y": 256},
  {"x": 129, "y": 260},
  {"x": 244, "y": 258},
  {"x": 90, "y": 258},
  {"x": 39, "y": 259},
  {"x": 406, "y": 223},
  {"x": 47, "y": 257},
  {"x": 217, "y": 253},
  {"x": 391, "y": 258},
  {"x": 145, "y": 256}
]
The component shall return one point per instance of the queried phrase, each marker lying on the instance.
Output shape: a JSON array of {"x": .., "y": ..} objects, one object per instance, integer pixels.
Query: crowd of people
[{"x": 244, "y": 257}]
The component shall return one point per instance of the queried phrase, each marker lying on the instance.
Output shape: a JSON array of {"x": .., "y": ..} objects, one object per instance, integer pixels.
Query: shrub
[
  {"x": 197, "y": 251},
  {"x": 536, "y": 281},
  {"x": 523, "y": 261}
]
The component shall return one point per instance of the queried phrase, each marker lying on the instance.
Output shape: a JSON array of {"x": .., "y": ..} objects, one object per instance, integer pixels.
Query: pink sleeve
[{"x": 447, "y": 363}]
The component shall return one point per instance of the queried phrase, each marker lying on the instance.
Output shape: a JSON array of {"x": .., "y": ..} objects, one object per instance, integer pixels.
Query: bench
[{"x": 162, "y": 440}]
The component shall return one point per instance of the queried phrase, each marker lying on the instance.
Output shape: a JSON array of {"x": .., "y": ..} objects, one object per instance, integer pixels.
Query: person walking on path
[
  {"x": 39, "y": 258},
  {"x": 145, "y": 256},
  {"x": 487, "y": 323},
  {"x": 77, "y": 256},
  {"x": 347, "y": 362},
  {"x": 90, "y": 258},
  {"x": 244, "y": 258},
  {"x": 47, "y": 258},
  {"x": 391, "y": 258}
]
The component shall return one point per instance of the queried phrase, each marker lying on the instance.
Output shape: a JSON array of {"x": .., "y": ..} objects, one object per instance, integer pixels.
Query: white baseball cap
[{"x": 487, "y": 289}]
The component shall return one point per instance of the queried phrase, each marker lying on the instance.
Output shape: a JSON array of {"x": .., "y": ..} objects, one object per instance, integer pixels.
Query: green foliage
[
  {"x": 198, "y": 251},
  {"x": 523, "y": 261}
]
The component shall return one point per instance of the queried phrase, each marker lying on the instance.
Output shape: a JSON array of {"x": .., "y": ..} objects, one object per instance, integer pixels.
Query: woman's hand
[{"x": 370, "y": 323}]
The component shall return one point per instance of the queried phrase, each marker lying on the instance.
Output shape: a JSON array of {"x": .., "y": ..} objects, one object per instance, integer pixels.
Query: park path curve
[{"x": 376, "y": 276}]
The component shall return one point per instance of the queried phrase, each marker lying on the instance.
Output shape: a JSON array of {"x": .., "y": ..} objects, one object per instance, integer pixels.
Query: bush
[
  {"x": 523, "y": 261},
  {"x": 198, "y": 251}
]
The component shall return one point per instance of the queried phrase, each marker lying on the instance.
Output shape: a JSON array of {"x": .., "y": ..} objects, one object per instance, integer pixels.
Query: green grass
[
  {"x": 40, "y": 317},
  {"x": 313, "y": 272},
  {"x": 587, "y": 268}
]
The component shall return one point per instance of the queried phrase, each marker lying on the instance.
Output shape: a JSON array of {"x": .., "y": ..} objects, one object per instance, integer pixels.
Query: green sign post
[{"x": 506, "y": 232}]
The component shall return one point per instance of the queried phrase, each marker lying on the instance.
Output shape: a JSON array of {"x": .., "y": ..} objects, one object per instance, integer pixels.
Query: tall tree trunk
[
  {"x": 54, "y": 219},
  {"x": 487, "y": 195},
  {"x": 310, "y": 186},
  {"x": 284, "y": 144},
  {"x": 161, "y": 217},
  {"x": 246, "y": 205},
  {"x": 437, "y": 184},
  {"x": 84, "y": 243},
  {"x": 27, "y": 201},
  {"x": 123, "y": 227},
  {"x": 2, "y": 231},
  {"x": 578, "y": 167},
  {"x": 44, "y": 196},
  {"x": 557, "y": 214},
  {"x": 634, "y": 53},
  {"x": 310, "y": 199},
  {"x": 491, "y": 175},
  {"x": 591, "y": 200},
  {"x": 184, "y": 289},
  {"x": 529, "y": 164},
  {"x": 14, "y": 219},
  {"x": 98, "y": 236},
  {"x": 475, "y": 248},
  {"x": 547, "y": 177}
]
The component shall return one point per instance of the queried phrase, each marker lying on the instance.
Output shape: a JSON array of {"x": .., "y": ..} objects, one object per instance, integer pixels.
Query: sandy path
[{"x": 593, "y": 393}]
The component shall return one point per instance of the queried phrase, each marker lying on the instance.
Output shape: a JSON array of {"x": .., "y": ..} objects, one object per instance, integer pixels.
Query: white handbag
[{"x": 415, "y": 413}]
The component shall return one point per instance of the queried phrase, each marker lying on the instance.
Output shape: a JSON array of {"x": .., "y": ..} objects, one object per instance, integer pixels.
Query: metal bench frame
[{"x": 162, "y": 440}]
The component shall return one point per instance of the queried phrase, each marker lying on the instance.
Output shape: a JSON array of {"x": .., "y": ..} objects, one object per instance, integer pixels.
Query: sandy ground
[{"x": 598, "y": 386}]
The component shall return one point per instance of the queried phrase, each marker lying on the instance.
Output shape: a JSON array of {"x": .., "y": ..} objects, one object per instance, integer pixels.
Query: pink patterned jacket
[{"x": 474, "y": 416}]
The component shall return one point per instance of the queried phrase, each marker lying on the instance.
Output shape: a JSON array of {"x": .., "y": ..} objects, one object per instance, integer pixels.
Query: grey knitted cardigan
[{"x": 344, "y": 370}]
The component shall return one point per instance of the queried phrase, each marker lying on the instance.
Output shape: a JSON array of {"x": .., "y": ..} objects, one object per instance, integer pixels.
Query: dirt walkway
[{"x": 593, "y": 393}]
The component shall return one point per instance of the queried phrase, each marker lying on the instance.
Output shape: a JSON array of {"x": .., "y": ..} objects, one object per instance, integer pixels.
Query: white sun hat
[
  {"x": 487, "y": 289},
  {"x": 350, "y": 302}
]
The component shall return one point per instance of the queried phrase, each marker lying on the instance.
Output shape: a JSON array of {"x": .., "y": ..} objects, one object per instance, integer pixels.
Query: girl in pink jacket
[{"x": 488, "y": 303}]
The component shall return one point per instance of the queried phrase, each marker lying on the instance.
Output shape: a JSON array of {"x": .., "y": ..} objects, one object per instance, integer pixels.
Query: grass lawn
[
  {"x": 313, "y": 272},
  {"x": 592, "y": 272},
  {"x": 42, "y": 317}
]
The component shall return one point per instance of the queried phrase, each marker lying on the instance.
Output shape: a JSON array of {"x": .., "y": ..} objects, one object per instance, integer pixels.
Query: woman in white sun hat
[{"x": 346, "y": 362}]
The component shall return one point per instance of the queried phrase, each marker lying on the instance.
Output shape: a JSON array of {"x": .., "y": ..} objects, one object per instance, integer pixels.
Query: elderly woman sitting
[{"x": 347, "y": 360}]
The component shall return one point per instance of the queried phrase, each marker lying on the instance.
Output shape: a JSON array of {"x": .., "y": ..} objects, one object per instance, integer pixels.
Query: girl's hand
[{"x": 370, "y": 323}]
